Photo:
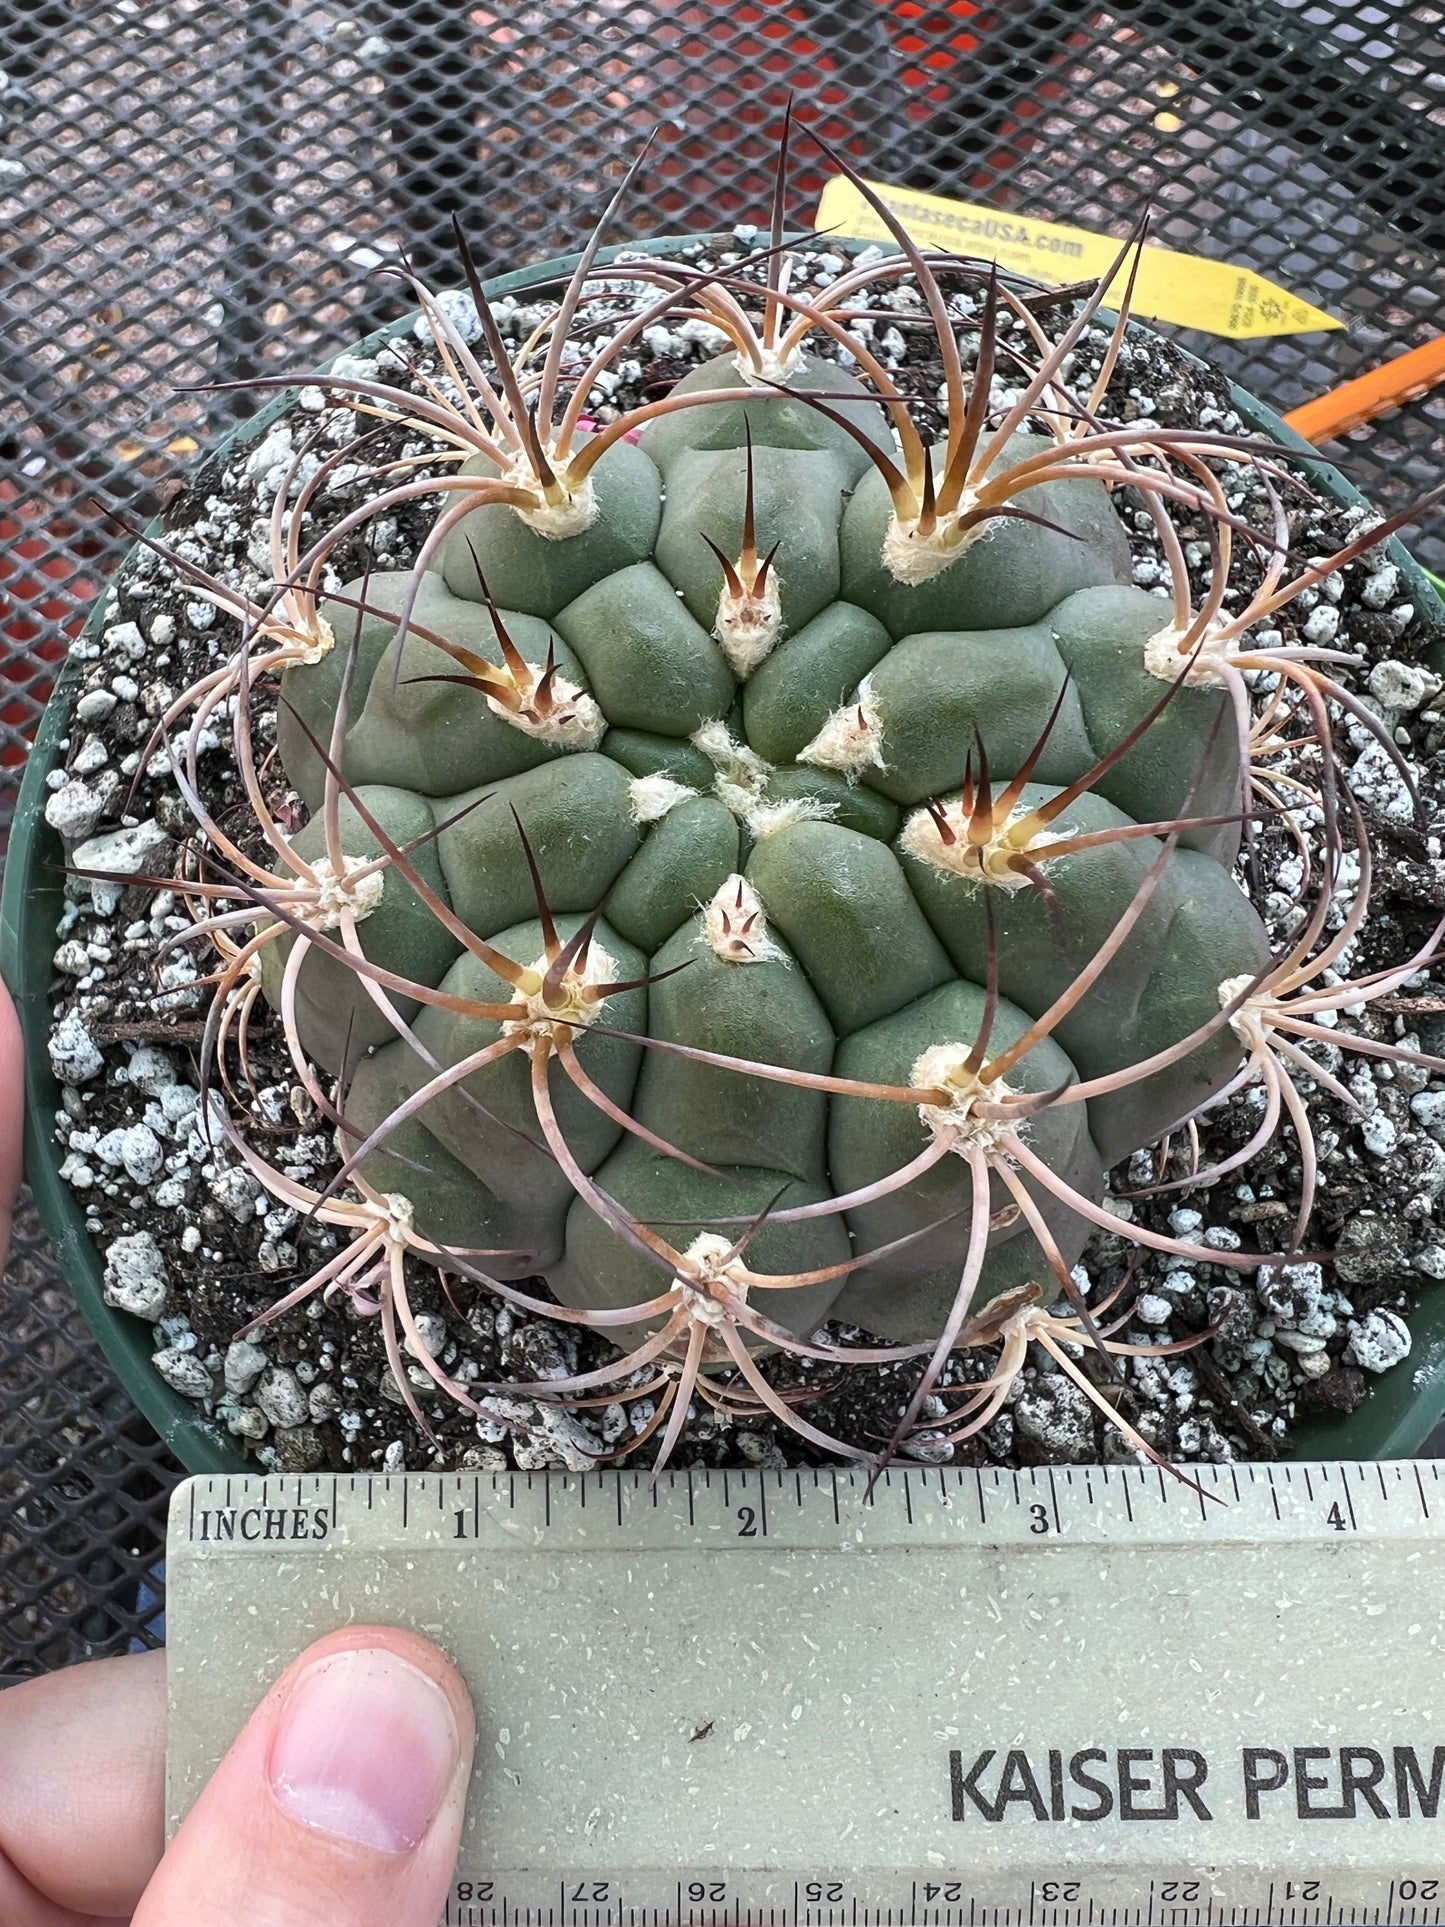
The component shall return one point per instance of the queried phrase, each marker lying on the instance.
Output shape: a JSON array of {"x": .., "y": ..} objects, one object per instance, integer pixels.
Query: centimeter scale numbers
[
  {"x": 1065, "y": 1697},
  {"x": 929, "y": 1901}
]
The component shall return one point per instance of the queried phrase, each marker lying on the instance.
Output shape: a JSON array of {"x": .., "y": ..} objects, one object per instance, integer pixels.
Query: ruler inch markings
[{"x": 914, "y": 1592}]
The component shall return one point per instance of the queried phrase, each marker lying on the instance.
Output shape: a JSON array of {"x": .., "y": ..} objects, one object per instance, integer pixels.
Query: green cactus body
[{"x": 749, "y": 811}]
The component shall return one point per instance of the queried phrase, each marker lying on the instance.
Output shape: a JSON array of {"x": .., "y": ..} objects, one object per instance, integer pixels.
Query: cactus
[{"x": 764, "y": 867}]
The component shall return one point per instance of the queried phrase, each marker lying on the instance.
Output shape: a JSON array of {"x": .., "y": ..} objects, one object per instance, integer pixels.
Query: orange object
[{"x": 1386, "y": 387}]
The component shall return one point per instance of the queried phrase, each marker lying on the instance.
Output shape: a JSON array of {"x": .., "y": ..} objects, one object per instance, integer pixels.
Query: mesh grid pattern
[{"x": 196, "y": 193}]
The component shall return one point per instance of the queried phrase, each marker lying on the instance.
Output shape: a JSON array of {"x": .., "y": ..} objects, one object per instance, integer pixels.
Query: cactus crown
[{"x": 765, "y": 860}]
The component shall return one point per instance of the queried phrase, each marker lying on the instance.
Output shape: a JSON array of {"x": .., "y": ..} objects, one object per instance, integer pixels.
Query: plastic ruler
[{"x": 1066, "y": 1697}]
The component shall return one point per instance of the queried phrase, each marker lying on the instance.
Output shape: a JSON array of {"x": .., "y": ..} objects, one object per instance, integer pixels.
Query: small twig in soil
[
  {"x": 190, "y": 1031},
  {"x": 1262, "y": 1443}
]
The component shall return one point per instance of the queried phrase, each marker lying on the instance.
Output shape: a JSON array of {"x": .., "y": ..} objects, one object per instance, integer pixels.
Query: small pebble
[
  {"x": 125, "y": 639},
  {"x": 150, "y": 1070},
  {"x": 140, "y": 1151},
  {"x": 123, "y": 853},
  {"x": 74, "y": 810},
  {"x": 235, "y": 1191},
  {"x": 457, "y": 307},
  {"x": 90, "y": 757},
  {"x": 245, "y": 1422},
  {"x": 135, "y": 1276},
  {"x": 1400, "y": 687},
  {"x": 299, "y": 1448},
  {"x": 74, "y": 1057},
  {"x": 1299, "y": 1342},
  {"x": 1058, "y": 1418},
  {"x": 1379, "y": 589},
  {"x": 431, "y": 1330},
  {"x": 95, "y": 705},
  {"x": 1379, "y": 1341},
  {"x": 184, "y": 1373},
  {"x": 281, "y": 1397},
  {"x": 244, "y": 1364}
]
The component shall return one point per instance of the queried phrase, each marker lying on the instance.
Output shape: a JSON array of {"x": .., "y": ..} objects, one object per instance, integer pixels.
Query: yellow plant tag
[{"x": 1210, "y": 295}]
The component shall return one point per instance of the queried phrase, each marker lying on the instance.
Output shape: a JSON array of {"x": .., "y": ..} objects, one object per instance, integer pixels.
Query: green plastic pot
[{"x": 1402, "y": 1409}]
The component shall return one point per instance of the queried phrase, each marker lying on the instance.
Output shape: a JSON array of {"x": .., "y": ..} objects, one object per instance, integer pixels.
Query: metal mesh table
[{"x": 194, "y": 193}]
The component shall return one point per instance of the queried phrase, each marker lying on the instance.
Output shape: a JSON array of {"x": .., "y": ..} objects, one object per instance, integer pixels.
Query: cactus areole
[{"x": 766, "y": 861}]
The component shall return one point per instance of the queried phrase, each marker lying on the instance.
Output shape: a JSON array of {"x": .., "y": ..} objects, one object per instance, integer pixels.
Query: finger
[
  {"x": 82, "y": 1790},
  {"x": 12, "y": 1111},
  {"x": 22, "y": 1906},
  {"x": 341, "y": 1801}
]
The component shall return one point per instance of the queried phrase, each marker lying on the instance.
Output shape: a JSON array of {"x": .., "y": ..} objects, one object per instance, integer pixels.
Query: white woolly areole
[
  {"x": 1163, "y": 658},
  {"x": 910, "y": 556},
  {"x": 334, "y": 893},
  {"x": 1249, "y": 1022},
  {"x": 944, "y": 1067},
  {"x": 771, "y": 367},
  {"x": 748, "y": 626},
  {"x": 766, "y": 819},
  {"x": 708, "y": 1255},
  {"x": 735, "y": 925},
  {"x": 975, "y": 863},
  {"x": 574, "y": 721},
  {"x": 311, "y": 640},
  {"x": 737, "y": 797},
  {"x": 537, "y": 1016},
  {"x": 400, "y": 1212},
  {"x": 730, "y": 758},
  {"x": 742, "y": 775},
  {"x": 651, "y": 797},
  {"x": 554, "y": 520},
  {"x": 852, "y": 738}
]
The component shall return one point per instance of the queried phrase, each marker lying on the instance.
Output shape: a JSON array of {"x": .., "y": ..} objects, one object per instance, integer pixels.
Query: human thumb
[{"x": 340, "y": 1804}]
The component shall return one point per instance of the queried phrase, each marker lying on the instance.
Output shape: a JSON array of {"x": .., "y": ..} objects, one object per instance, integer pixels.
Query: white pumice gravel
[
  {"x": 1379, "y": 1341},
  {"x": 135, "y": 1277},
  {"x": 74, "y": 1057},
  {"x": 1057, "y": 1416},
  {"x": 184, "y": 1373},
  {"x": 281, "y": 1397},
  {"x": 244, "y": 1364}
]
